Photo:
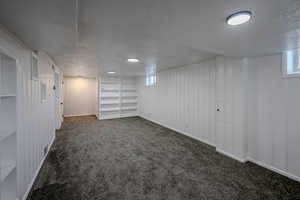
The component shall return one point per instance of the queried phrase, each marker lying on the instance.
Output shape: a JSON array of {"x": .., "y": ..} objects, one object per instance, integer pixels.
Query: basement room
[{"x": 149, "y": 100}]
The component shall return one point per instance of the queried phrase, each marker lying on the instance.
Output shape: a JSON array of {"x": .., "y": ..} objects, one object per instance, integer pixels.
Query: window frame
[
  {"x": 286, "y": 70},
  {"x": 151, "y": 80}
]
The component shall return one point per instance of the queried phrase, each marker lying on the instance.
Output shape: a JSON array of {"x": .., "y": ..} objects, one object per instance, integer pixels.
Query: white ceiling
[{"x": 161, "y": 34}]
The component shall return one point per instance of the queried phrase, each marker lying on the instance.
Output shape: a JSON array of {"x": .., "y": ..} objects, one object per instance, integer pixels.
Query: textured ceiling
[{"x": 98, "y": 35}]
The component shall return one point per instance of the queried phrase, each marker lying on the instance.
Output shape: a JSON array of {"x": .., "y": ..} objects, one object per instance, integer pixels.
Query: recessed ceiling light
[
  {"x": 111, "y": 72},
  {"x": 239, "y": 18},
  {"x": 133, "y": 60}
]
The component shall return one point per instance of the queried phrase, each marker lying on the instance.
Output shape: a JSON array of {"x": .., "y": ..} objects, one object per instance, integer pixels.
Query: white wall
[
  {"x": 273, "y": 116},
  {"x": 35, "y": 119},
  {"x": 80, "y": 96},
  {"x": 259, "y": 109},
  {"x": 231, "y": 100},
  {"x": 183, "y": 100}
]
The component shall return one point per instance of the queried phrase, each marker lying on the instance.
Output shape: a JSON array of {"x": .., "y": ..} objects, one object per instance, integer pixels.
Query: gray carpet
[{"x": 134, "y": 159}]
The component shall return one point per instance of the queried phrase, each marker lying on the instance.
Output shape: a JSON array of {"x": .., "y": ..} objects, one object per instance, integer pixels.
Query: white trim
[
  {"x": 38, "y": 170},
  {"x": 174, "y": 129},
  {"x": 80, "y": 115},
  {"x": 119, "y": 117},
  {"x": 274, "y": 169},
  {"x": 284, "y": 173},
  {"x": 285, "y": 73},
  {"x": 231, "y": 156}
]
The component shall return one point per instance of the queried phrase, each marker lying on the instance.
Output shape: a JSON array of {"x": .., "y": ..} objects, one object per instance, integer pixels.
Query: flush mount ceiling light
[
  {"x": 111, "y": 72},
  {"x": 239, "y": 18},
  {"x": 133, "y": 60}
]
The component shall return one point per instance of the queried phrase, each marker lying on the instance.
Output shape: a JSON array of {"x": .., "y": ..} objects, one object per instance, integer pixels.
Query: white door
[{"x": 58, "y": 99}]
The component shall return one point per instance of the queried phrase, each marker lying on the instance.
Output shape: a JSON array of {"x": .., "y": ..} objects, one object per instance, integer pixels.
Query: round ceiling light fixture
[
  {"x": 111, "y": 72},
  {"x": 239, "y": 18},
  {"x": 133, "y": 60}
]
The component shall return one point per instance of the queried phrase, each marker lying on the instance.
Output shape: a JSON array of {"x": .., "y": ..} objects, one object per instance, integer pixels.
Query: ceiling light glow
[
  {"x": 239, "y": 18},
  {"x": 111, "y": 72},
  {"x": 133, "y": 60}
]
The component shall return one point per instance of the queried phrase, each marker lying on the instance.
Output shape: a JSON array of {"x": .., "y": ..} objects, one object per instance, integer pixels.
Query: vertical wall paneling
[
  {"x": 35, "y": 129},
  {"x": 230, "y": 101},
  {"x": 258, "y": 117},
  {"x": 182, "y": 100},
  {"x": 273, "y": 116}
]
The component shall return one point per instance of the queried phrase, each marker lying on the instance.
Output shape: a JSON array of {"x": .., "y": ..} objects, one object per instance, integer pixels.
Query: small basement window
[
  {"x": 291, "y": 63},
  {"x": 150, "y": 79}
]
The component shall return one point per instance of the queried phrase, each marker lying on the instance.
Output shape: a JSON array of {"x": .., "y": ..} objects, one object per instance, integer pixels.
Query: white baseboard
[
  {"x": 38, "y": 170},
  {"x": 274, "y": 169},
  {"x": 80, "y": 115},
  {"x": 231, "y": 156},
  {"x": 118, "y": 117},
  {"x": 284, "y": 173},
  {"x": 174, "y": 129}
]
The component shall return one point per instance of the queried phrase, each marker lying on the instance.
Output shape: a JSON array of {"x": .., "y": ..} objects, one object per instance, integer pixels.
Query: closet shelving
[
  {"x": 8, "y": 128},
  {"x": 117, "y": 97},
  {"x": 129, "y": 97},
  {"x": 109, "y": 99}
]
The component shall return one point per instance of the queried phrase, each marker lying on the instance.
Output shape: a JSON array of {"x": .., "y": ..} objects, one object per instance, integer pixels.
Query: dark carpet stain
[{"x": 134, "y": 159}]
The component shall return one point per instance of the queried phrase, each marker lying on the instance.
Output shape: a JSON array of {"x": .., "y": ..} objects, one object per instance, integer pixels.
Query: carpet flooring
[{"x": 134, "y": 159}]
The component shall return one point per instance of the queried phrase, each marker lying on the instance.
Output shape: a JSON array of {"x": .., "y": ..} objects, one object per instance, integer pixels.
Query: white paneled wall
[
  {"x": 258, "y": 118},
  {"x": 183, "y": 100},
  {"x": 273, "y": 116},
  {"x": 35, "y": 119},
  {"x": 231, "y": 105}
]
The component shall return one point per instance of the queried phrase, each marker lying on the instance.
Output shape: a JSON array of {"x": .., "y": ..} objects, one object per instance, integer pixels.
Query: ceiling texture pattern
[{"x": 89, "y": 36}]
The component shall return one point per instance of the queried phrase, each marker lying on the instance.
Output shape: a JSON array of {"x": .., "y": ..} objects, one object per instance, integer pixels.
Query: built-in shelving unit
[
  {"x": 117, "y": 97},
  {"x": 8, "y": 128}
]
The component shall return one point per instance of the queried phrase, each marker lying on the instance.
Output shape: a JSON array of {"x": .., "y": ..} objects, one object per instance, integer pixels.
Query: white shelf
[
  {"x": 8, "y": 139},
  {"x": 7, "y": 95},
  {"x": 110, "y": 96},
  {"x": 128, "y": 114},
  {"x": 6, "y": 133},
  {"x": 110, "y": 90},
  {"x": 129, "y": 101},
  {"x": 130, "y": 108},
  {"x": 129, "y": 89},
  {"x": 109, "y": 102},
  {"x": 109, "y": 109},
  {"x": 6, "y": 170},
  {"x": 132, "y": 95},
  {"x": 110, "y": 83},
  {"x": 109, "y": 116}
]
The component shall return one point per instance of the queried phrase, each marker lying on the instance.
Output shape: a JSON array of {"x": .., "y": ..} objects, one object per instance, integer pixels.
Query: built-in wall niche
[
  {"x": 8, "y": 128},
  {"x": 117, "y": 97},
  {"x": 129, "y": 97},
  {"x": 7, "y": 76}
]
